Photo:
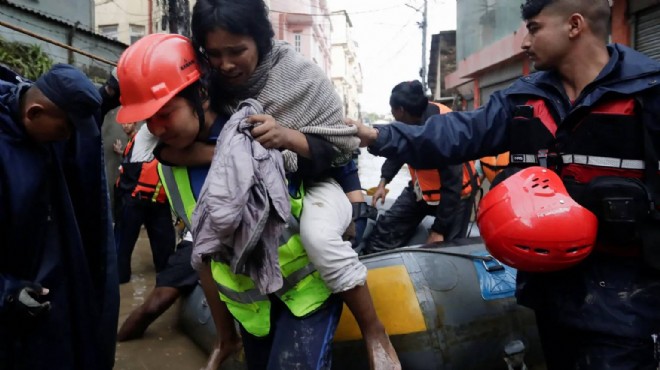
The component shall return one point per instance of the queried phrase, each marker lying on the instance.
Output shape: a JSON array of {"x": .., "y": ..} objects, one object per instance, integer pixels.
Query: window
[
  {"x": 297, "y": 41},
  {"x": 136, "y": 32},
  {"x": 109, "y": 31}
]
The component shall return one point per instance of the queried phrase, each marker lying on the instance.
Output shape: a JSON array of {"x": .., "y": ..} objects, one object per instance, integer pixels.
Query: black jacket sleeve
[
  {"x": 322, "y": 155},
  {"x": 390, "y": 168},
  {"x": 451, "y": 178}
]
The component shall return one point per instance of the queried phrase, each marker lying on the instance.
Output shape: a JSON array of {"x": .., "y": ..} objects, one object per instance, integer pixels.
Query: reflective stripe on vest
[
  {"x": 303, "y": 291},
  {"x": 626, "y": 164},
  {"x": 176, "y": 183},
  {"x": 149, "y": 183}
]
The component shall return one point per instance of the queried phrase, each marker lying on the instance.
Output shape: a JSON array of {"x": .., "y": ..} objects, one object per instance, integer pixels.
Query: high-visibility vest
[
  {"x": 140, "y": 178},
  {"x": 303, "y": 290}
]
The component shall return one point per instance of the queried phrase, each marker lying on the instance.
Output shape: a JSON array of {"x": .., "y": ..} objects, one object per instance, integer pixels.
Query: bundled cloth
[
  {"x": 244, "y": 204},
  {"x": 297, "y": 93}
]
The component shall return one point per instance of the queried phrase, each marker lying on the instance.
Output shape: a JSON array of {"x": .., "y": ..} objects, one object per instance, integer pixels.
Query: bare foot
[
  {"x": 382, "y": 355},
  {"x": 221, "y": 351}
]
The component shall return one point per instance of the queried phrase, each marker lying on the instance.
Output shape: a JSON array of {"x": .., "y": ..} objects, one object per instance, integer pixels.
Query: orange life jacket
[
  {"x": 141, "y": 178},
  {"x": 428, "y": 182},
  {"x": 494, "y": 164}
]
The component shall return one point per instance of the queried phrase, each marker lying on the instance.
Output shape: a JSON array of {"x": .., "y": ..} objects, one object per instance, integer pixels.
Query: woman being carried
[{"x": 302, "y": 111}]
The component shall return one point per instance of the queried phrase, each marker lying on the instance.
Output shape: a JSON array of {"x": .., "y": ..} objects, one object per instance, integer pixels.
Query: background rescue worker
[
  {"x": 178, "y": 277},
  {"x": 59, "y": 298},
  {"x": 140, "y": 199},
  {"x": 590, "y": 114},
  {"x": 443, "y": 192}
]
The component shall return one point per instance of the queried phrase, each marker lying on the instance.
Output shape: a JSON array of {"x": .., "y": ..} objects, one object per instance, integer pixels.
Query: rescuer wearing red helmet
[
  {"x": 160, "y": 83},
  {"x": 590, "y": 115},
  {"x": 176, "y": 113}
]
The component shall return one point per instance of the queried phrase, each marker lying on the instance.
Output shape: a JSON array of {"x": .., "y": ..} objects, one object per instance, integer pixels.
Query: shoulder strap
[{"x": 651, "y": 160}]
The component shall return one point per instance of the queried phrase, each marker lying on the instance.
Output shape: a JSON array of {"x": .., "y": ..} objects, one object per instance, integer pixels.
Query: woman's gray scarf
[{"x": 299, "y": 96}]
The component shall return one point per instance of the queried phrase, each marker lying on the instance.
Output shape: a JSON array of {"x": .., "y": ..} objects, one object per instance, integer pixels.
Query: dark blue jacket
[
  {"x": 603, "y": 294},
  {"x": 55, "y": 231}
]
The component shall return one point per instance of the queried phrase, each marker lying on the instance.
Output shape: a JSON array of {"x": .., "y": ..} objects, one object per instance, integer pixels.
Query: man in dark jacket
[
  {"x": 591, "y": 114},
  {"x": 430, "y": 193},
  {"x": 58, "y": 286}
]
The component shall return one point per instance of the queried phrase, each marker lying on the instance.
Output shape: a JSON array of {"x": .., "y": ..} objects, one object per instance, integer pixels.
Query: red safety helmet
[
  {"x": 531, "y": 223},
  {"x": 151, "y": 72}
]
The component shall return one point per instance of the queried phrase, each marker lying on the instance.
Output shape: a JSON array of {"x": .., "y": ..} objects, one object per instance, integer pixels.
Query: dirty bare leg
[
  {"x": 382, "y": 355},
  {"x": 228, "y": 342},
  {"x": 158, "y": 301}
]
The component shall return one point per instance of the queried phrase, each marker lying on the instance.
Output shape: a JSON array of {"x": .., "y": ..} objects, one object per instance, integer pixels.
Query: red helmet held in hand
[{"x": 531, "y": 223}]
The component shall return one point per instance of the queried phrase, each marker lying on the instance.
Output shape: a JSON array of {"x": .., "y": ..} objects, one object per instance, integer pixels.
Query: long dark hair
[{"x": 241, "y": 17}]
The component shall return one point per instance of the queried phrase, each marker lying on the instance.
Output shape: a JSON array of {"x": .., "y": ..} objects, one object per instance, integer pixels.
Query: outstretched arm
[{"x": 450, "y": 138}]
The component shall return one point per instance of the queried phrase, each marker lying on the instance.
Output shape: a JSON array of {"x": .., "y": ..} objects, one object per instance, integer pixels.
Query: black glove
[{"x": 25, "y": 300}]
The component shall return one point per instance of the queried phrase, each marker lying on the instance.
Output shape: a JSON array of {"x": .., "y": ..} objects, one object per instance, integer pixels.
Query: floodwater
[{"x": 164, "y": 346}]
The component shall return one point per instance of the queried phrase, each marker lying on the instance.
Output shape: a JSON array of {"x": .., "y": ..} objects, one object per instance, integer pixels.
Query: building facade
[
  {"x": 305, "y": 24},
  {"x": 442, "y": 62},
  {"x": 74, "y": 11},
  {"x": 346, "y": 71},
  {"x": 489, "y": 57},
  {"x": 128, "y": 20}
]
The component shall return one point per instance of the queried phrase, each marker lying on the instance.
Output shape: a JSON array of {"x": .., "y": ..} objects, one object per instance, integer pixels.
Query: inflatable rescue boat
[{"x": 447, "y": 307}]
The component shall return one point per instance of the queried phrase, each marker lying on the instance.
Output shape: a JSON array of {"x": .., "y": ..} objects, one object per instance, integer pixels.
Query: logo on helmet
[{"x": 186, "y": 64}]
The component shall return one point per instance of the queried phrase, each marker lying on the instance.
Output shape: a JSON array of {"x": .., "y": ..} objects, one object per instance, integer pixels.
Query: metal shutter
[{"x": 647, "y": 32}]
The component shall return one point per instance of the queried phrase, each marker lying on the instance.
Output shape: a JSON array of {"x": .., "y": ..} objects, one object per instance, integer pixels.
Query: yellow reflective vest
[{"x": 303, "y": 291}]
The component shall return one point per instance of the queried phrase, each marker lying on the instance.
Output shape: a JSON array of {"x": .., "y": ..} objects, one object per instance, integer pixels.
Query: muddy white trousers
[{"x": 326, "y": 214}]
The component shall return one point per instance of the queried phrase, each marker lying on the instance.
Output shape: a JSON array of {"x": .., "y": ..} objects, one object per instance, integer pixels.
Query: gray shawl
[{"x": 299, "y": 96}]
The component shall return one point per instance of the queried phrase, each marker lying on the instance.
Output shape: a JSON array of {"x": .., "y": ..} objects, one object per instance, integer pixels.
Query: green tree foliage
[{"x": 27, "y": 60}]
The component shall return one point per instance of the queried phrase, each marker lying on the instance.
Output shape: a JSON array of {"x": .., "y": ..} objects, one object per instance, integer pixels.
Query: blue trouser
[
  {"x": 294, "y": 343},
  {"x": 567, "y": 348},
  {"x": 599, "y": 314},
  {"x": 157, "y": 219}
]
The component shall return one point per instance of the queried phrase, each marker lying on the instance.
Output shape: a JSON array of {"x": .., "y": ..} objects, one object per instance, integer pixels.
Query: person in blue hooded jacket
[
  {"x": 591, "y": 114},
  {"x": 59, "y": 298}
]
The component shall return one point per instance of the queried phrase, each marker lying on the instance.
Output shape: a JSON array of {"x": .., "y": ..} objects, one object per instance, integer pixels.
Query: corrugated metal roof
[{"x": 62, "y": 21}]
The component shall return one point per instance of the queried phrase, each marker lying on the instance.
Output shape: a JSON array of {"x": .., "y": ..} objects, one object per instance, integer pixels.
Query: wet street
[{"x": 164, "y": 346}]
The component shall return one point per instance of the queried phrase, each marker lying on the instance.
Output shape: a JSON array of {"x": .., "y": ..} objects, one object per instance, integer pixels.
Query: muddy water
[
  {"x": 369, "y": 170},
  {"x": 164, "y": 346}
]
